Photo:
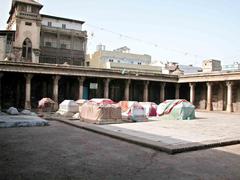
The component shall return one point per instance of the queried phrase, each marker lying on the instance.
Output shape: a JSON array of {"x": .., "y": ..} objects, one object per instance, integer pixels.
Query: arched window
[{"x": 27, "y": 50}]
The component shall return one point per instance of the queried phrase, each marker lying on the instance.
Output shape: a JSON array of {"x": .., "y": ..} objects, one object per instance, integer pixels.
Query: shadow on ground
[{"x": 64, "y": 152}]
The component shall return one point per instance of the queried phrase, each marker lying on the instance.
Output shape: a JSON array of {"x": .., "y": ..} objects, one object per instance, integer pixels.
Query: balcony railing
[
  {"x": 61, "y": 30},
  {"x": 28, "y": 14}
]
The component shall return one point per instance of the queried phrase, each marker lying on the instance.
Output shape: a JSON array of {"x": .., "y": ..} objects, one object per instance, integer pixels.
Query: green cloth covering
[{"x": 176, "y": 110}]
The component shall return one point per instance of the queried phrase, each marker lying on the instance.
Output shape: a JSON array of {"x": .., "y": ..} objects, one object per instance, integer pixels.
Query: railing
[
  {"x": 79, "y": 32},
  {"x": 28, "y": 14}
]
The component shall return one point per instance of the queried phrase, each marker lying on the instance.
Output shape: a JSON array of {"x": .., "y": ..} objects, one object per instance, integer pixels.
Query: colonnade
[{"x": 192, "y": 89}]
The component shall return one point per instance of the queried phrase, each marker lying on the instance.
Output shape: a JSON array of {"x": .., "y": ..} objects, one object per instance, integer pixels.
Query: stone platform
[
  {"x": 11, "y": 121},
  {"x": 208, "y": 130}
]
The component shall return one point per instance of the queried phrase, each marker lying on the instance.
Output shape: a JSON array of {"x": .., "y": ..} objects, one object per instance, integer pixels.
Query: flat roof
[{"x": 62, "y": 18}]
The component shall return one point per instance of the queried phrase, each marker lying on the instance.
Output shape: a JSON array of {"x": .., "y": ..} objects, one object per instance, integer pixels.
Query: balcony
[{"x": 74, "y": 32}]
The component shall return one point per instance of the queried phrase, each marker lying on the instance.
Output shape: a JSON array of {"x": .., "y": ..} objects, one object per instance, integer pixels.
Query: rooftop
[{"x": 61, "y": 18}]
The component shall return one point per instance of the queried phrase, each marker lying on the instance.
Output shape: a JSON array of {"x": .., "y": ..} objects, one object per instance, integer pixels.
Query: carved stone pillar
[
  {"x": 162, "y": 92},
  {"x": 145, "y": 92},
  {"x": 126, "y": 91},
  {"x": 28, "y": 78},
  {"x": 81, "y": 81},
  {"x": 1, "y": 75},
  {"x": 177, "y": 91},
  {"x": 209, "y": 96},
  {"x": 55, "y": 91},
  {"x": 229, "y": 96},
  {"x": 192, "y": 92},
  {"x": 106, "y": 88}
]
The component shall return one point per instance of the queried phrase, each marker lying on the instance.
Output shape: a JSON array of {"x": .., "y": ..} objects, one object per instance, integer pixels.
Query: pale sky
[{"x": 185, "y": 31}]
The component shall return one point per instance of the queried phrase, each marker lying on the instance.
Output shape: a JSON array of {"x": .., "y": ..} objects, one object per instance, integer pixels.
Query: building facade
[
  {"x": 122, "y": 59},
  {"x": 43, "y": 38},
  {"x": 62, "y": 41},
  {"x": 34, "y": 44}
]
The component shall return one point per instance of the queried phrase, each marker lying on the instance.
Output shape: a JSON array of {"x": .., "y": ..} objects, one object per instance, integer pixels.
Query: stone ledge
[{"x": 160, "y": 146}]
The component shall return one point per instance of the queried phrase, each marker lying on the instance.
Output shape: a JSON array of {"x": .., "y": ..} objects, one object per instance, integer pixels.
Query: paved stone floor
[
  {"x": 208, "y": 128},
  {"x": 61, "y": 151}
]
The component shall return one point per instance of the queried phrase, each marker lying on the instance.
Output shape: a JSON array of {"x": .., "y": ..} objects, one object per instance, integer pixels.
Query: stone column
[
  {"x": 106, "y": 88},
  {"x": 55, "y": 91},
  {"x": 229, "y": 96},
  {"x": 209, "y": 96},
  {"x": 162, "y": 92},
  {"x": 145, "y": 92},
  {"x": 1, "y": 75},
  {"x": 192, "y": 92},
  {"x": 177, "y": 91},
  {"x": 28, "y": 78},
  {"x": 81, "y": 81},
  {"x": 126, "y": 91}
]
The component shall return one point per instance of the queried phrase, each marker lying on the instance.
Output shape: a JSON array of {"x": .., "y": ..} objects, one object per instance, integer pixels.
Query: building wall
[
  {"x": 58, "y": 23},
  {"x": 119, "y": 60},
  {"x": 201, "y": 95},
  {"x": 236, "y": 97},
  {"x": 211, "y": 65},
  {"x": 134, "y": 67},
  {"x": 100, "y": 57},
  {"x": 53, "y": 51},
  {"x": 24, "y": 31},
  {"x": 218, "y": 97},
  {"x": 3, "y": 41}
]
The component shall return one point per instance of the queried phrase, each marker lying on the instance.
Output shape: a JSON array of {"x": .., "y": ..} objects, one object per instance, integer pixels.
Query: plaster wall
[
  {"x": 58, "y": 23},
  {"x": 3, "y": 41}
]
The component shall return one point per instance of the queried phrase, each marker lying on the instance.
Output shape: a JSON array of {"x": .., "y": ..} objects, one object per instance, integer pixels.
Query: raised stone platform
[
  {"x": 209, "y": 130},
  {"x": 10, "y": 121}
]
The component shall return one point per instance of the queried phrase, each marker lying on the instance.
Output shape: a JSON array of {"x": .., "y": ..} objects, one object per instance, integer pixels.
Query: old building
[
  {"x": 211, "y": 65},
  {"x": 62, "y": 41},
  {"x": 43, "y": 38},
  {"x": 6, "y": 40},
  {"x": 122, "y": 59},
  {"x": 35, "y": 43}
]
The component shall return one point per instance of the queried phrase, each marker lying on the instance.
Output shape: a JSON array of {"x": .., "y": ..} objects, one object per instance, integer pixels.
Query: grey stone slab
[
  {"x": 207, "y": 131},
  {"x": 9, "y": 121}
]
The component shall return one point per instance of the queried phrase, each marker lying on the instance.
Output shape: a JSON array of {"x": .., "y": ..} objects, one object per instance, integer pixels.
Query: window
[
  {"x": 110, "y": 60},
  {"x": 139, "y": 63},
  {"x": 64, "y": 26},
  {"x": 29, "y": 8},
  {"x": 48, "y": 44},
  {"x": 27, "y": 50},
  {"x": 28, "y": 23},
  {"x": 49, "y": 24},
  {"x": 63, "y": 46}
]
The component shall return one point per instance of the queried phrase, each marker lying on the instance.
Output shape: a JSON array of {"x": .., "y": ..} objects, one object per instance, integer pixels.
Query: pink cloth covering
[{"x": 99, "y": 114}]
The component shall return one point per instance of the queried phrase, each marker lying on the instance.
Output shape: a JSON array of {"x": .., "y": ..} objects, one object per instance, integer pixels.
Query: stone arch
[{"x": 27, "y": 50}]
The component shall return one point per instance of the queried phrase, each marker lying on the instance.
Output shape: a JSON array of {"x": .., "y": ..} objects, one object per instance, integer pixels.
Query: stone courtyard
[
  {"x": 61, "y": 151},
  {"x": 210, "y": 129}
]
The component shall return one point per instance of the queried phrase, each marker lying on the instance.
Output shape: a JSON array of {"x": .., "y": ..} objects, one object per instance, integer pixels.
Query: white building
[{"x": 231, "y": 67}]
